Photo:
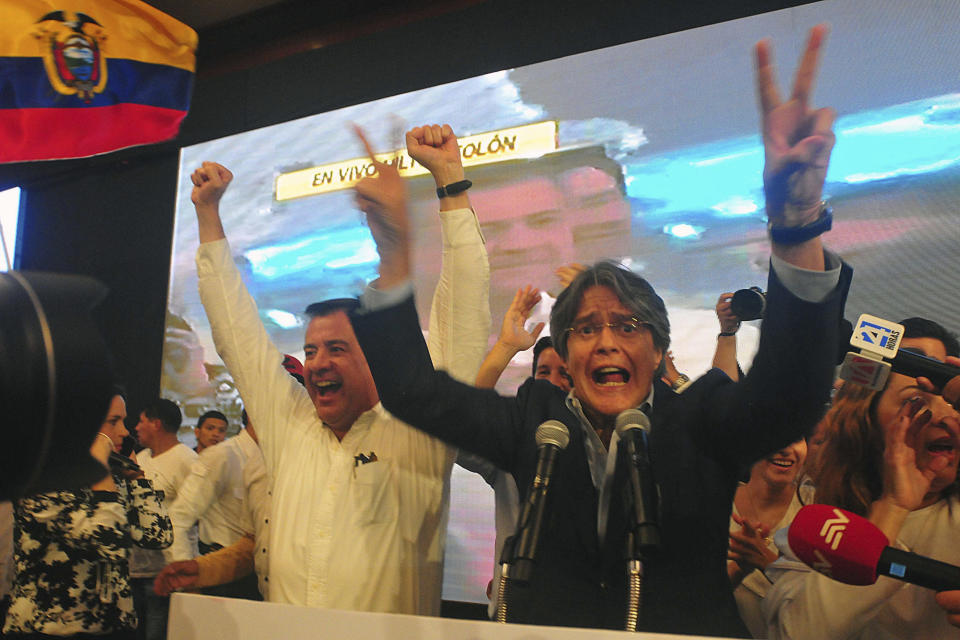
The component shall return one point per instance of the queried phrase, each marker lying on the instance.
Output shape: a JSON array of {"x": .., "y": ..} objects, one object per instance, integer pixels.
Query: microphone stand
[
  {"x": 641, "y": 538},
  {"x": 506, "y": 570},
  {"x": 643, "y": 529},
  {"x": 634, "y": 582}
]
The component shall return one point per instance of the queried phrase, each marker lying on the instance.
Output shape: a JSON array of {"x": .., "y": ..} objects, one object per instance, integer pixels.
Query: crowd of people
[{"x": 335, "y": 491}]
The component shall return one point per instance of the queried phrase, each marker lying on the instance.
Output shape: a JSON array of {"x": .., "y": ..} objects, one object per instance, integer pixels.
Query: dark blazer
[{"x": 699, "y": 442}]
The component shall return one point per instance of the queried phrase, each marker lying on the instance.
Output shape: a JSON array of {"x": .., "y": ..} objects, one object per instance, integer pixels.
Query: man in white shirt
[
  {"x": 211, "y": 430},
  {"x": 236, "y": 563},
  {"x": 166, "y": 463},
  {"x": 215, "y": 495},
  {"x": 359, "y": 498}
]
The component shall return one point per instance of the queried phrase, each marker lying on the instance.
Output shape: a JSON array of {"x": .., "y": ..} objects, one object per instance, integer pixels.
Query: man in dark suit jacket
[{"x": 611, "y": 328}]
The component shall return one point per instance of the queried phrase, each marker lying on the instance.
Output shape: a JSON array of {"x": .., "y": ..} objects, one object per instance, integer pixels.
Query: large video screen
[{"x": 647, "y": 153}]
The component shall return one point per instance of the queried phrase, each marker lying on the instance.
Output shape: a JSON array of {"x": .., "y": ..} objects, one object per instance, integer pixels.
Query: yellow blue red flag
[{"x": 82, "y": 77}]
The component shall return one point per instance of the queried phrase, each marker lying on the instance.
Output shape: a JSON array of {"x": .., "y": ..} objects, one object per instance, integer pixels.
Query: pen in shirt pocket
[{"x": 360, "y": 459}]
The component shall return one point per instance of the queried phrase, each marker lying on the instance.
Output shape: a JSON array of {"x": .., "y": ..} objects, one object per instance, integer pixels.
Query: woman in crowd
[
  {"x": 71, "y": 549},
  {"x": 892, "y": 457},
  {"x": 765, "y": 504}
]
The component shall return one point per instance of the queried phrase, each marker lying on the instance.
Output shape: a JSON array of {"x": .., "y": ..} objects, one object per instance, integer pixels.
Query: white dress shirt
[
  {"x": 215, "y": 494},
  {"x": 343, "y": 534}
]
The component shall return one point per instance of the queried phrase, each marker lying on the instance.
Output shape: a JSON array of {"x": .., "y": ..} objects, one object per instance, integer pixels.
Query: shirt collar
[{"x": 363, "y": 421}]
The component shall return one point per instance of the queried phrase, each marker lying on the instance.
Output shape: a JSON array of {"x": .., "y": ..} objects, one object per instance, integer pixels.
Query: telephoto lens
[{"x": 55, "y": 382}]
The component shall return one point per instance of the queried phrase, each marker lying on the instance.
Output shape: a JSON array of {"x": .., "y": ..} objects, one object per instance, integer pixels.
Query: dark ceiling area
[{"x": 238, "y": 34}]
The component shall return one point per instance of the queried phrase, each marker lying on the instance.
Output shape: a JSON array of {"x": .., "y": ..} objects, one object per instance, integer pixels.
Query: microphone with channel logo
[
  {"x": 851, "y": 549},
  {"x": 879, "y": 343}
]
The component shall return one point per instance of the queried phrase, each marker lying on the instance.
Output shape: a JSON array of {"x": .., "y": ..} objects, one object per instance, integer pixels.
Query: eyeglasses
[{"x": 627, "y": 329}]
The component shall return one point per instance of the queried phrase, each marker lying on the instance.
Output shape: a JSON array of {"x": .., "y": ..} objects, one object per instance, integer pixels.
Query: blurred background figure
[
  {"x": 211, "y": 429},
  {"x": 166, "y": 462},
  {"x": 766, "y": 503},
  {"x": 72, "y": 548}
]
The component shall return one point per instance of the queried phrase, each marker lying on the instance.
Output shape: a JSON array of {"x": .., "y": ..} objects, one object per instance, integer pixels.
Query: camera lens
[{"x": 748, "y": 304}]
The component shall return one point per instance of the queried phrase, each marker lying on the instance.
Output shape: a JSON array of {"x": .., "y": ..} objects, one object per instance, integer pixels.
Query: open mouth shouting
[
  {"x": 327, "y": 387},
  {"x": 611, "y": 377},
  {"x": 941, "y": 441}
]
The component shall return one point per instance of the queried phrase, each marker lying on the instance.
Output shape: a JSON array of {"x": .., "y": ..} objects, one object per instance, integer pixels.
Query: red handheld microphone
[{"x": 850, "y": 549}]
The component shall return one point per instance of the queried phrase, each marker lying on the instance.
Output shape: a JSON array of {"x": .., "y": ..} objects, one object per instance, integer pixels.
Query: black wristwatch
[
  {"x": 796, "y": 235},
  {"x": 453, "y": 188}
]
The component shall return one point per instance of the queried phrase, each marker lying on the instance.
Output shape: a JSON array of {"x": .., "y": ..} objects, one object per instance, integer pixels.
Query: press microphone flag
[
  {"x": 879, "y": 342},
  {"x": 851, "y": 549}
]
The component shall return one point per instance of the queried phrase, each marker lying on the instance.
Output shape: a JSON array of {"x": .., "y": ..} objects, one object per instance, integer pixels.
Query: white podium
[{"x": 196, "y": 617}]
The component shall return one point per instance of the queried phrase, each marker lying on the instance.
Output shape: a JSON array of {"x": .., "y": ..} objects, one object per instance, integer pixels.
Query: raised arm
[
  {"x": 460, "y": 311},
  {"x": 513, "y": 338},
  {"x": 783, "y": 395},
  {"x": 725, "y": 355},
  {"x": 210, "y": 182},
  {"x": 797, "y": 141},
  {"x": 389, "y": 332},
  {"x": 274, "y": 400},
  {"x": 383, "y": 198}
]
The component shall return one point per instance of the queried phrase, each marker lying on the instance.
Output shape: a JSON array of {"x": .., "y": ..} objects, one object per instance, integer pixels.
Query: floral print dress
[{"x": 71, "y": 553}]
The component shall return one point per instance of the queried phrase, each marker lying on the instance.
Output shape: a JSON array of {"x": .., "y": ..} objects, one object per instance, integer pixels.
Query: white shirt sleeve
[
  {"x": 806, "y": 284},
  {"x": 273, "y": 399},
  {"x": 200, "y": 489},
  {"x": 460, "y": 312}
]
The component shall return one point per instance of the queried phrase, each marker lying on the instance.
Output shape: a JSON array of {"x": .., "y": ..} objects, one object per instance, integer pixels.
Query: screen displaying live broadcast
[{"x": 647, "y": 153}]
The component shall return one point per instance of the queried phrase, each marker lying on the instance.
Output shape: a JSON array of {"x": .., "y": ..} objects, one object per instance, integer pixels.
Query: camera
[
  {"x": 55, "y": 382},
  {"x": 748, "y": 304}
]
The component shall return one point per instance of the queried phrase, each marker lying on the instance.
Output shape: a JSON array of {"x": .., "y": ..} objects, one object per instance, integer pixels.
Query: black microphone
[
  {"x": 880, "y": 352},
  {"x": 851, "y": 549},
  {"x": 915, "y": 365},
  {"x": 632, "y": 427},
  {"x": 122, "y": 463},
  {"x": 552, "y": 437}
]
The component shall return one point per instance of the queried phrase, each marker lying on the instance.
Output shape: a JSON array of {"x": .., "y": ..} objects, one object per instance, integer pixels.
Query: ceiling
[{"x": 209, "y": 12}]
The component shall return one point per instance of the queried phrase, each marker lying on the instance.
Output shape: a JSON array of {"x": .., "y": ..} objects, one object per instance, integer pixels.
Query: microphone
[
  {"x": 552, "y": 437},
  {"x": 632, "y": 427},
  {"x": 850, "y": 549},
  {"x": 915, "y": 365},
  {"x": 123, "y": 463},
  {"x": 880, "y": 352}
]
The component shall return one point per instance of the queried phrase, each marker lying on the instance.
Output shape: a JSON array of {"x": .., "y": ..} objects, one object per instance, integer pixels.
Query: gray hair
[{"x": 633, "y": 291}]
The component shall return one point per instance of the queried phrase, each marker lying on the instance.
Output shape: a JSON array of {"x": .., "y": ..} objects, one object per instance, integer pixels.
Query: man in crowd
[
  {"x": 358, "y": 500},
  {"x": 166, "y": 463},
  {"x": 249, "y": 553},
  {"x": 216, "y": 570},
  {"x": 215, "y": 496},
  {"x": 611, "y": 329},
  {"x": 211, "y": 429}
]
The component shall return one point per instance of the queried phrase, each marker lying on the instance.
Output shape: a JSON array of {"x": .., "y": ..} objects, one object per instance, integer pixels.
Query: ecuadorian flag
[{"x": 82, "y": 77}]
